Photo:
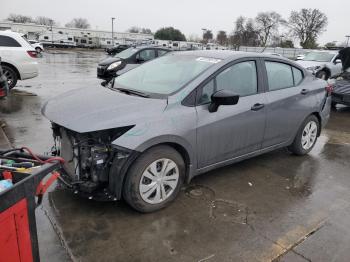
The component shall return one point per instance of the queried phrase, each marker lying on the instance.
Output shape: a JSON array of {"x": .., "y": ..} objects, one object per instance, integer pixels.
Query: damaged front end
[{"x": 94, "y": 167}]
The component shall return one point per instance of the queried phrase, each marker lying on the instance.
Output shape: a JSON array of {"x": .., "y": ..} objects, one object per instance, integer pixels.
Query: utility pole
[
  {"x": 113, "y": 18},
  {"x": 51, "y": 24},
  {"x": 347, "y": 41}
]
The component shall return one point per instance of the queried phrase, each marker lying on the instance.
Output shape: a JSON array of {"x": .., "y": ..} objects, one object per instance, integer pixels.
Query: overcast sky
[{"x": 187, "y": 15}]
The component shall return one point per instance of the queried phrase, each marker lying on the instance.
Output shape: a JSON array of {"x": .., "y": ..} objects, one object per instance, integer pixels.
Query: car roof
[
  {"x": 150, "y": 46},
  {"x": 228, "y": 54},
  {"x": 10, "y": 33}
]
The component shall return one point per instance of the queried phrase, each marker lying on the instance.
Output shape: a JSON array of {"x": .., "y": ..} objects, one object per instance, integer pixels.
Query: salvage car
[
  {"x": 181, "y": 115},
  {"x": 117, "y": 49},
  {"x": 341, "y": 92},
  {"x": 323, "y": 64},
  {"x": 127, "y": 60}
]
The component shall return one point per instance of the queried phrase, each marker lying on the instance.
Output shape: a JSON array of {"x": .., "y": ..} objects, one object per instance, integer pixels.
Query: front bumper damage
[{"x": 94, "y": 167}]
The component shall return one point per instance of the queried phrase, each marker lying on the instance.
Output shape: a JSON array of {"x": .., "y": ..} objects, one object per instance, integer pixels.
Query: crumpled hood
[
  {"x": 98, "y": 108},
  {"x": 307, "y": 64}
]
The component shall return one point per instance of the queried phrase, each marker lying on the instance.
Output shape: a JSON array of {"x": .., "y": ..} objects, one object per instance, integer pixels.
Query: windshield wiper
[{"x": 131, "y": 91}]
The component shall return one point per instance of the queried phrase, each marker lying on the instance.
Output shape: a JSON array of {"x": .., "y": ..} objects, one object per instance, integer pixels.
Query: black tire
[
  {"x": 297, "y": 148},
  {"x": 38, "y": 50},
  {"x": 322, "y": 75},
  {"x": 11, "y": 76},
  {"x": 131, "y": 188},
  {"x": 334, "y": 105}
]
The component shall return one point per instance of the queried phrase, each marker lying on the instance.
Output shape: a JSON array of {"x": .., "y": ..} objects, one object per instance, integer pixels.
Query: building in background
[{"x": 62, "y": 36}]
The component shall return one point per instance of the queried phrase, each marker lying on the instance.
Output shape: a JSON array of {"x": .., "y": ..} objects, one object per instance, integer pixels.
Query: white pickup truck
[{"x": 18, "y": 57}]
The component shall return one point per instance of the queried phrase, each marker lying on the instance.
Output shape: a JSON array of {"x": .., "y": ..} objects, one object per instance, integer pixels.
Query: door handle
[
  {"x": 304, "y": 91},
  {"x": 257, "y": 107}
]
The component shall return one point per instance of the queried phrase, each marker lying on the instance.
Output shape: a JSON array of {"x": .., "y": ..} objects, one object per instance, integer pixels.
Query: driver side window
[{"x": 241, "y": 78}]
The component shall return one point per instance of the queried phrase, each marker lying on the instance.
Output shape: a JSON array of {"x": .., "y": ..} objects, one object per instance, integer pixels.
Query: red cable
[{"x": 50, "y": 160}]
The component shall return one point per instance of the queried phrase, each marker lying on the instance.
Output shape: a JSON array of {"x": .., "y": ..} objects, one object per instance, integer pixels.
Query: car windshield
[
  {"x": 165, "y": 75},
  {"x": 319, "y": 56},
  {"x": 127, "y": 53}
]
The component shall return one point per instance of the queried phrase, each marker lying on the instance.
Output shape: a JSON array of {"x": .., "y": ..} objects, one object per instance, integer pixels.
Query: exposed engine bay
[{"x": 89, "y": 159}]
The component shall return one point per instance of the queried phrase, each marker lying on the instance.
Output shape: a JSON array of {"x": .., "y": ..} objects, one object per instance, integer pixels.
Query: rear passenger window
[
  {"x": 8, "y": 41},
  {"x": 162, "y": 52},
  {"x": 298, "y": 76},
  {"x": 240, "y": 78},
  {"x": 279, "y": 75}
]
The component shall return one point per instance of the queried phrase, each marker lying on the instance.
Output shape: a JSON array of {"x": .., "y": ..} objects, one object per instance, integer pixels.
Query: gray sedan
[{"x": 181, "y": 115}]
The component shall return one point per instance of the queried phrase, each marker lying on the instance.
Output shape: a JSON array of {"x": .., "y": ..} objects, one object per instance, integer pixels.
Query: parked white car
[
  {"x": 323, "y": 64},
  {"x": 18, "y": 58},
  {"x": 37, "y": 45}
]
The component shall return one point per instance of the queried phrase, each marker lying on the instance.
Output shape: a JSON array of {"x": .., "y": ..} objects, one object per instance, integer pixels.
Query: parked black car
[
  {"x": 3, "y": 83},
  {"x": 117, "y": 49},
  {"x": 341, "y": 92},
  {"x": 133, "y": 56}
]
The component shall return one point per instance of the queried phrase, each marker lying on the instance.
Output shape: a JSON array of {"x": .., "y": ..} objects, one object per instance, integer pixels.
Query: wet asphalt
[{"x": 276, "y": 207}]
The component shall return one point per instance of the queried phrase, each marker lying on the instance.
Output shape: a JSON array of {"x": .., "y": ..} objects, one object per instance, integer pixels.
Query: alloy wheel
[
  {"x": 158, "y": 181},
  {"x": 9, "y": 76}
]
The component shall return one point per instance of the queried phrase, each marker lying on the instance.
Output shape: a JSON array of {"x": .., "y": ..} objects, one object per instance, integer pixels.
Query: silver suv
[
  {"x": 181, "y": 115},
  {"x": 323, "y": 64}
]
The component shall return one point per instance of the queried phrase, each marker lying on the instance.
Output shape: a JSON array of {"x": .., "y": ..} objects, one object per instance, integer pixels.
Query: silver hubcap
[
  {"x": 309, "y": 135},
  {"x": 159, "y": 181}
]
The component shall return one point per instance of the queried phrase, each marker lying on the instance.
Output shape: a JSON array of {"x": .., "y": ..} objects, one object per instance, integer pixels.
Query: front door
[{"x": 233, "y": 130}]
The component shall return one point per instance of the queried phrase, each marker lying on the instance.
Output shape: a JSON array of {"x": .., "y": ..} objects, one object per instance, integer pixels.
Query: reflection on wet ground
[{"x": 273, "y": 207}]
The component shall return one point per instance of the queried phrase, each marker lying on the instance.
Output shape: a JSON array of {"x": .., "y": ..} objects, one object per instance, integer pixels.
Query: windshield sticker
[{"x": 208, "y": 60}]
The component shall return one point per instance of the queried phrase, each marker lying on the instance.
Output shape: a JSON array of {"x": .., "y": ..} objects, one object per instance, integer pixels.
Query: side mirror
[
  {"x": 337, "y": 61},
  {"x": 222, "y": 97}
]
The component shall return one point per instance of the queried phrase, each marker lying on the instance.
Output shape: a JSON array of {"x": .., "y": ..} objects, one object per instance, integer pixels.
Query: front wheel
[
  {"x": 306, "y": 137},
  {"x": 155, "y": 179}
]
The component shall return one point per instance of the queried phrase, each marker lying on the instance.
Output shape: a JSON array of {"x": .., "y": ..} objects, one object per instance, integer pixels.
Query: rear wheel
[
  {"x": 154, "y": 180},
  {"x": 334, "y": 105},
  {"x": 38, "y": 50},
  {"x": 306, "y": 137},
  {"x": 10, "y": 75}
]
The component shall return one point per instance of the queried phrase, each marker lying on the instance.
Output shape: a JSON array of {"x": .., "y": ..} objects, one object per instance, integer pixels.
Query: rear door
[
  {"x": 289, "y": 101},
  {"x": 233, "y": 130}
]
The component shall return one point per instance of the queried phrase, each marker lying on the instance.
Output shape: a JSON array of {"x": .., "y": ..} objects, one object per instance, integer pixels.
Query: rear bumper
[
  {"x": 29, "y": 70},
  {"x": 339, "y": 98}
]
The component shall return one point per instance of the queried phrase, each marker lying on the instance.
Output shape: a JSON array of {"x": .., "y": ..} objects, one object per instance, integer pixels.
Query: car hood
[
  {"x": 109, "y": 61},
  {"x": 307, "y": 64},
  {"x": 98, "y": 108}
]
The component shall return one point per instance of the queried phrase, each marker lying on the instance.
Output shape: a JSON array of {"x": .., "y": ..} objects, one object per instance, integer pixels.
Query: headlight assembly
[{"x": 114, "y": 65}]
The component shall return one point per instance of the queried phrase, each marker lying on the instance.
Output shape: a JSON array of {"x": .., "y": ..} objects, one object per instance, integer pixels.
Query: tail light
[
  {"x": 329, "y": 89},
  {"x": 33, "y": 54}
]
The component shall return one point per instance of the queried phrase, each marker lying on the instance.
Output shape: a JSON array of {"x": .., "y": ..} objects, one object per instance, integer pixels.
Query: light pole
[
  {"x": 347, "y": 41},
  {"x": 113, "y": 18}
]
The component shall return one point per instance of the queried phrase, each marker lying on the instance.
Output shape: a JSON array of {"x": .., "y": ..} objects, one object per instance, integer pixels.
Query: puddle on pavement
[
  {"x": 228, "y": 211},
  {"x": 200, "y": 192}
]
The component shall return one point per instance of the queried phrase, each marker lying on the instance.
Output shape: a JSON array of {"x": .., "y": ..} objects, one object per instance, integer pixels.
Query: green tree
[{"x": 169, "y": 33}]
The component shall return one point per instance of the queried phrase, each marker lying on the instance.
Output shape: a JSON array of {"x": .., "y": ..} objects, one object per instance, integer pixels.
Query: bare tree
[
  {"x": 79, "y": 23},
  {"x": 207, "y": 35},
  {"x": 244, "y": 33},
  {"x": 16, "y": 18},
  {"x": 307, "y": 25},
  {"x": 221, "y": 38},
  {"x": 267, "y": 24},
  {"x": 146, "y": 31},
  {"x": 134, "y": 29},
  {"x": 43, "y": 20}
]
